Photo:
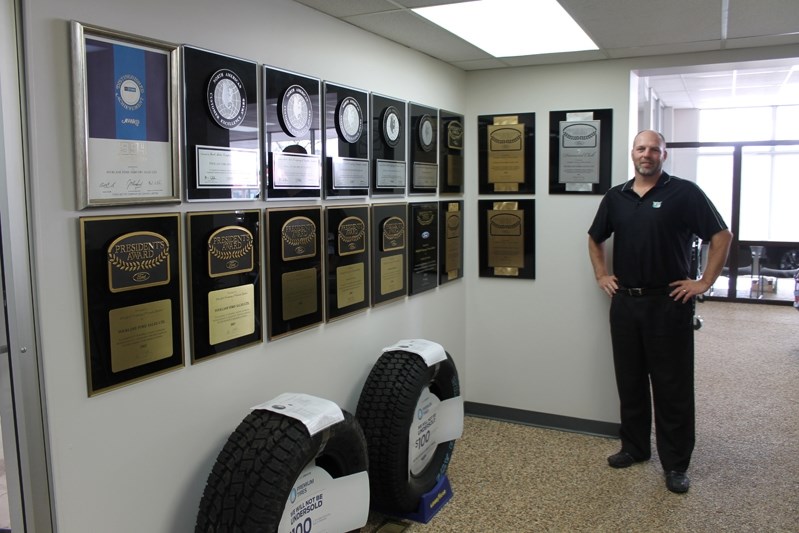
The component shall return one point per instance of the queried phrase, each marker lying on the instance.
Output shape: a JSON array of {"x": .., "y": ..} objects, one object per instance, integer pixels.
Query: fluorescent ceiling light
[{"x": 507, "y": 28}]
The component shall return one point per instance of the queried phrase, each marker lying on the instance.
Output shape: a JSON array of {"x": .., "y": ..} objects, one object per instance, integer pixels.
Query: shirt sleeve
[
  {"x": 705, "y": 220},
  {"x": 601, "y": 229}
]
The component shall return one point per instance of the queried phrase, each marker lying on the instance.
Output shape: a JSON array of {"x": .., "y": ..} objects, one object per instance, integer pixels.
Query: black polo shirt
[{"x": 653, "y": 234}]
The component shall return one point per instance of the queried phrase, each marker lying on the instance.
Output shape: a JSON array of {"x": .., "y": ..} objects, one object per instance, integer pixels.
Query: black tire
[
  {"x": 386, "y": 411},
  {"x": 254, "y": 473}
]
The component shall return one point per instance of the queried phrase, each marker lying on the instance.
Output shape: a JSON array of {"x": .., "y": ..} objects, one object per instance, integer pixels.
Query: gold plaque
[
  {"x": 349, "y": 284},
  {"x": 298, "y": 238},
  {"x": 138, "y": 260},
  {"x": 392, "y": 274},
  {"x": 455, "y": 135},
  {"x": 230, "y": 251},
  {"x": 452, "y": 242},
  {"x": 299, "y": 293},
  {"x": 506, "y": 238},
  {"x": 454, "y": 170},
  {"x": 393, "y": 231},
  {"x": 506, "y": 154},
  {"x": 351, "y": 236},
  {"x": 140, "y": 334},
  {"x": 231, "y": 313}
]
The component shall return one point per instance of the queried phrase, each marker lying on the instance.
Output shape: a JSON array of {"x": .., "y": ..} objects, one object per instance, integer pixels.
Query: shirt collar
[{"x": 662, "y": 181}]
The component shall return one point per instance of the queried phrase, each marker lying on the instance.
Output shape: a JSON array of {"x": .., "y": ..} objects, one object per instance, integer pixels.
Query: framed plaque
[
  {"x": 389, "y": 252},
  {"x": 125, "y": 104},
  {"x": 580, "y": 145},
  {"x": 132, "y": 304},
  {"x": 220, "y": 117},
  {"x": 423, "y": 149},
  {"x": 507, "y": 238},
  {"x": 506, "y": 162},
  {"x": 450, "y": 241},
  {"x": 225, "y": 281},
  {"x": 422, "y": 247},
  {"x": 346, "y": 146},
  {"x": 293, "y": 269},
  {"x": 389, "y": 172},
  {"x": 450, "y": 153},
  {"x": 348, "y": 266},
  {"x": 293, "y": 134}
]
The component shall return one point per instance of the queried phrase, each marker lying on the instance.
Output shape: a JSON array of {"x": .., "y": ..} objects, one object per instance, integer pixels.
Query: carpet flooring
[{"x": 745, "y": 470}]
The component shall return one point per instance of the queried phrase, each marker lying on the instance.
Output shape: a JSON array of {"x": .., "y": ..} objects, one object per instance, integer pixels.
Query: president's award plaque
[
  {"x": 450, "y": 153},
  {"x": 450, "y": 241},
  {"x": 220, "y": 110},
  {"x": 131, "y": 298},
  {"x": 423, "y": 247},
  {"x": 507, "y": 238},
  {"x": 293, "y": 134},
  {"x": 389, "y": 175},
  {"x": 225, "y": 281},
  {"x": 294, "y": 269},
  {"x": 346, "y": 147},
  {"x": 506, "y": 153},
  {"x": 348, "y": 266},
  {"x": 423, "y": 149},
  {"x": 389, "y": 252}
]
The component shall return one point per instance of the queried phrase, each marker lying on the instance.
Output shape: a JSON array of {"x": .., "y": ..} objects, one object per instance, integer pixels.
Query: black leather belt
[{"x": 645, "y": 291}]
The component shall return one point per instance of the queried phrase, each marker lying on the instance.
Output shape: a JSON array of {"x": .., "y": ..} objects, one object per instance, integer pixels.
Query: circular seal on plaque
[
  {"x": 296, "y": 111},
  {"x": 227, "y": 98},
  {"x": 427, "y": 135},
  {"x": 392, "y": 126},
  {"x": 349, "y": 119},
  {"x": 130, "y": 92}
]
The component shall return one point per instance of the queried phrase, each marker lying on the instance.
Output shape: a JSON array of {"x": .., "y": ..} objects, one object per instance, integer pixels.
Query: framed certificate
[
  {"x": 580, "y": 151},
  {"x": 506, "y": 157},
  {"x": 220, "y": 117},
  {"x": 132, "y": 305},
  {"x": 507, "y": 238},
  {"x": 293, "y": 134},
  {"x": 125, "y": 103},
  {"x": 224, "y": 256},
  {"x": 450, "y": 153},
  {"x": 389, "y": 176},
  {"x": 346, "y": 147},
  {"x": 423, "y": 149}
]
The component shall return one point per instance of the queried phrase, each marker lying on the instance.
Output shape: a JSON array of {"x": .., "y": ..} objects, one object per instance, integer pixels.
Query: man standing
[{"x": 654, "y": 218}]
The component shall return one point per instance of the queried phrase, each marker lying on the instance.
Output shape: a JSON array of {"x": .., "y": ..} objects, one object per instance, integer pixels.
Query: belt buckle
[{"x": 635, "y": 291}]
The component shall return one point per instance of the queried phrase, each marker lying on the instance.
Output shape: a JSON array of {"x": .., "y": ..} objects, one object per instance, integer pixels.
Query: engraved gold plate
[
  {"x": 392, "y": 274},
  {"x": 351, "y": 236},
  {"x": 231, "y": 313},
  {"x": 138, "y": 260},
  {"x": 299, "y": 293},
  {"x": 298, "y": 238},
  {"x": 140, "y": 334},
  {"x": 350, "y": 285},
  {"x": 230, "y": 251},
  {"x": 505, "y": 238},
  {"x": 455, "y": 135},
  {"x": 393, "y": 234},
  {"x": 506, "y": 156}
]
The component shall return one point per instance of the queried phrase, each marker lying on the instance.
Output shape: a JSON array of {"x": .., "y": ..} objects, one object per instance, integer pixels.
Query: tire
[
  {"x": 385, "y": 411},
  {"x": 254, "y": 473}
]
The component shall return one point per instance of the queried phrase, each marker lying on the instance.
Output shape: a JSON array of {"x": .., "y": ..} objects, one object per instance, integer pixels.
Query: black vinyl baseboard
[{"x": 544, "y": 420}]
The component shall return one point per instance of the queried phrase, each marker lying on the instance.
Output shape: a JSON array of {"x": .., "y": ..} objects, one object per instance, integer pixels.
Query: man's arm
[
  {"x": 716, "y": 257},
  {"x": 606, "y": 282}
]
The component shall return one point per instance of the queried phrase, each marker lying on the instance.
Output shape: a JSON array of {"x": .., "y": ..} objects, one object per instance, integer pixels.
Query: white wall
[{"x": 136, "y": 458}]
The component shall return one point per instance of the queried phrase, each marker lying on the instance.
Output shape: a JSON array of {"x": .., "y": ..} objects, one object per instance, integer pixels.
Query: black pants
[{"x": 653, "y": 344}]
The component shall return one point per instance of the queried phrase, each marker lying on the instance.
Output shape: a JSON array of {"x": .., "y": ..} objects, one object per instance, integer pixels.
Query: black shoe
[
  {"x": 623, "y": 460},
  {"x": 677, "y": 482}
]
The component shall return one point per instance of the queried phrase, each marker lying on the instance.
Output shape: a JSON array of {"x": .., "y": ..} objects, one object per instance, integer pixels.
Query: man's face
[{"x": 648, "y": 154}]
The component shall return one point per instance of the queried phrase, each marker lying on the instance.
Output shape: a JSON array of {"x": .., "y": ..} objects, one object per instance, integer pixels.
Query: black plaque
[
  {"x": 132, "y": 305},
  {"x": 423, "y": 149},
  {"x": 294, "y": 269},
  {"x": 423, "y": 247},
  {"x": 389, "y": 252},
  {"x": 586, "y": 133},
  {"x": 292, "y": 134},
  {"x": 450, "y": 241},
  {"x": 389, "y": 172},
  {"x": 346, "y": 147},
  {"x": 225, "y": 281},
  {"x": 348, "y": 266},
  {"x": 506, "y": 153},
  {"x": 507, "y": 238},
  {"x": 450, "y": 153},
  {"x": 220, "y": 110}
]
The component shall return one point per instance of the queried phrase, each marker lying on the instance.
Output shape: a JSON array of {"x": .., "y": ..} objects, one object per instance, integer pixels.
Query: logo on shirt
[{"x": 656, "y": 205}]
